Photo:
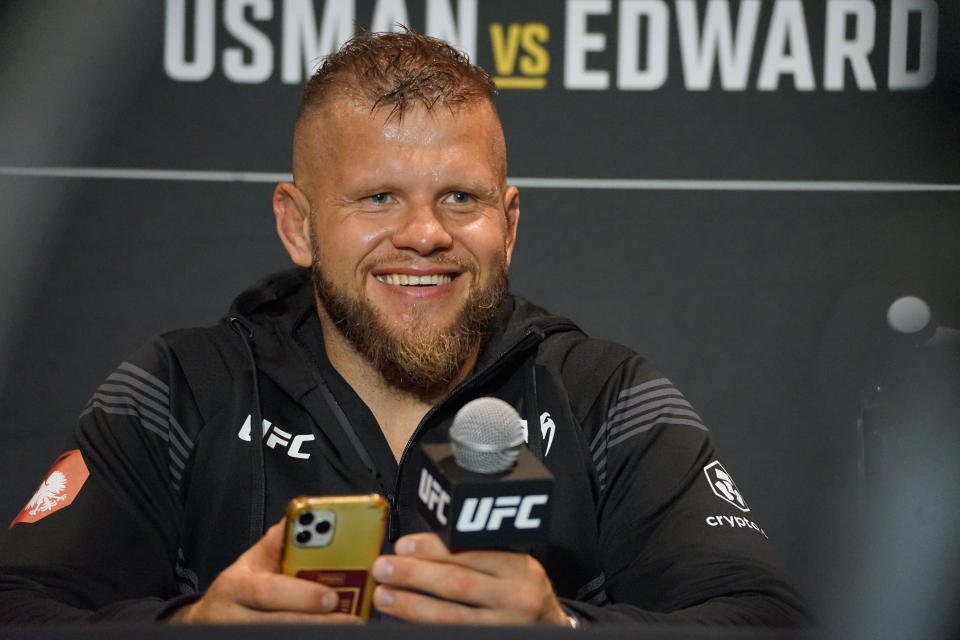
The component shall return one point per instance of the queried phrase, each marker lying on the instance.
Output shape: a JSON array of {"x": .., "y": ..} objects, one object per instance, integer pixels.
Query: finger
[
  {"x": 442, "y": 579},
  {"x": 258, "y": 585},
  {"x": 242, "y": 615},
  {"x": 238, "y": 596},
  {"x": 417, "y": 607},
  {"x": 429, "y": 546},
  {"x": 278, "y": 592},
  {"x": 302, "y": 618}
]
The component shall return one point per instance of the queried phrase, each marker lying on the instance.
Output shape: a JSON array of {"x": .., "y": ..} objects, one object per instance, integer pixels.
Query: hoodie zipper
[{"x": 533, "y": 337}]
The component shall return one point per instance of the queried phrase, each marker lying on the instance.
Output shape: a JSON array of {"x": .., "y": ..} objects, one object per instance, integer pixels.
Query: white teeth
[{"x": 404, "y": 279}]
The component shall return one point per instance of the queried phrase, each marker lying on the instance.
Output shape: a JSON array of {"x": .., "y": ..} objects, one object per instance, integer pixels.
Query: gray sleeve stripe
[
  {"x": 131, "y": 391},
  {"x": 643, "y": 386},
  {"x": 601, "y": 442},
  {"x": 125, "y": 390},
  {"x": 176, "y": 465},
  {"x": 159, "y": 416},
  {"x": 176, "y": 477},
  {"x": 118, "y": 411},
  {"x": 627, "y": 400},
  {"x": 600, "y": 456},
  {"x": 664, "y": 416},
  {"x": 176, "y": 459},
  {"x": 164, "y": 397},
  {"x": 598, "y": 439},
  {"x": 189, "y": 582},
  {"x": 632, "y": 391},
  {"x": 145, "y": 376},
  {"x": 134, "y": 383},
  {"x": 177, "y": 447},
  {"x": 148, "y": 419},
  {"x": 655, "y": 416},
  {"x": 145, "y": 415},
  {"x": 142, "y": 412},
  {"x": 639, "y": 409},
  {"x": 179, "y": 433},
  {"x": 645, "y": 400},
  {"x": 648, "y": 407},
  {"x": 664, "y": 421}
]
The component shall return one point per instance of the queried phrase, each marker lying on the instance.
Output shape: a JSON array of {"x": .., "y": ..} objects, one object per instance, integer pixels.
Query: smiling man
[
  {"x": 402, "y": 212},
  {"x": 409, "y": 244},
  {"x": 402, "y": 226}
]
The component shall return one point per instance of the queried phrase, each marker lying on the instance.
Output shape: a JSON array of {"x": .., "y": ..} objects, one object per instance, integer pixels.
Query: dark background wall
[{"x": 747, "y": 235}]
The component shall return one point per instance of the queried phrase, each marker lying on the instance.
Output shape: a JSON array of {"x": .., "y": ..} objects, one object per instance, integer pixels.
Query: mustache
[{"x": 437, "y": 259}]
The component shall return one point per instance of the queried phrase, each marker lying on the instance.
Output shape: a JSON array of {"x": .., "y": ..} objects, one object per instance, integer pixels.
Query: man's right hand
[{"x": 253, "y": 590}]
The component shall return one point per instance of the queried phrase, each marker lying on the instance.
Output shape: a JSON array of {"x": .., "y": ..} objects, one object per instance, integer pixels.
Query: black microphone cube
[{"x": 481, "y": 511}]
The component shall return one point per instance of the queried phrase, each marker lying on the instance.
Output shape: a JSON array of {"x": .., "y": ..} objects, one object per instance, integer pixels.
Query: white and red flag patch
[{"x": 58, "y": 489}]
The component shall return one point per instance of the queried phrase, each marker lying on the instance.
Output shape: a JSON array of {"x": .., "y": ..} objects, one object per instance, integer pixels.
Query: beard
[{"x": 418, "y": 358}]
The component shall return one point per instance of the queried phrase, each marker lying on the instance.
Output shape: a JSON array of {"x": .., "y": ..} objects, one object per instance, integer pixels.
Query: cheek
[
  {"x": 344, "y": 247},
  {"x": 487, "y": 241}
]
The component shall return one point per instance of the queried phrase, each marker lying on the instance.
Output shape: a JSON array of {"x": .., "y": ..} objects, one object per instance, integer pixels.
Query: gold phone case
[{"x": 334, "y": 540}]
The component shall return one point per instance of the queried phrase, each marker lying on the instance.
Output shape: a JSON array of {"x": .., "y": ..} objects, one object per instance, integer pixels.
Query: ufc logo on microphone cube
[{"x": 490, "y": 513}]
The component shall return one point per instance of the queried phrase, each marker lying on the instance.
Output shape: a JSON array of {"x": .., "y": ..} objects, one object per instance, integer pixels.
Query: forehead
[{"x": 345, "y": 129}]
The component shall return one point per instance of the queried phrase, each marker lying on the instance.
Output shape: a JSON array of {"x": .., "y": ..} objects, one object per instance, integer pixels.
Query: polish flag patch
[{"x": 59, "y": 488}]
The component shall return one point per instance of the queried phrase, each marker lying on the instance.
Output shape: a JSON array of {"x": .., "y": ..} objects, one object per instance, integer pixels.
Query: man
[{"x": 402, "y": 223}]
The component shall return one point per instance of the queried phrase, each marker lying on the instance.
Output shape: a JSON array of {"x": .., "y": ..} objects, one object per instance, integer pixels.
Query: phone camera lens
[
  {"x": 303, "y": 537},
  {"x": 322, "y": 527},
  {"x": 306, "y": 519}
]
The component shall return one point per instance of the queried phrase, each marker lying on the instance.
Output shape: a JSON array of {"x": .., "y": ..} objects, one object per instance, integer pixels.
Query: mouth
[{"x": 408, "y": 280}]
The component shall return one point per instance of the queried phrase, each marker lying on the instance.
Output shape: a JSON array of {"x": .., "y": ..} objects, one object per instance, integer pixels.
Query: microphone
[
  {"x": 911, "y": 315},
  {"x": 484, "y": 489}
]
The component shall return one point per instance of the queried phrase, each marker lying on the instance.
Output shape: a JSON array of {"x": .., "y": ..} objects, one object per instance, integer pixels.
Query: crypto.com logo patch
[{"x": 723, "y": 485}]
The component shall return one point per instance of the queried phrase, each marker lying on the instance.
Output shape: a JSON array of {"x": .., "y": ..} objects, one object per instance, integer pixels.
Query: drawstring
[
  {"x": 258, "y": 477},
  {"x": 348, "y": 430}
]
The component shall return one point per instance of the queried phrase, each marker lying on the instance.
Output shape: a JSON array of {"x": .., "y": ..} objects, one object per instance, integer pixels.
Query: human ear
[
  {"x": 292, "y": 210},
  {"x": 511, "y": 200}
]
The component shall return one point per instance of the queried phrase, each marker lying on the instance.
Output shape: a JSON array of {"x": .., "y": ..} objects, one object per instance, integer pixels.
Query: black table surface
[{"x": 159, "y": 631}]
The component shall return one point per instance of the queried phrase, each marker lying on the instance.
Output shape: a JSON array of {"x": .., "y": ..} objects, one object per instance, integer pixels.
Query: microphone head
[
  {"x": 908, "y": 314},
  {"x": 486, "y": 435}
]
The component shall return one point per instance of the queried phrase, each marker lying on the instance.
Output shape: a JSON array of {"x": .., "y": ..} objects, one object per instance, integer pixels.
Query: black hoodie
[{"x": 647, "y": 525}]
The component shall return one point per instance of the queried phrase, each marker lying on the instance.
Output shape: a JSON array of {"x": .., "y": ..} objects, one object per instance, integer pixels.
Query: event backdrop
[{"x": 738, "y": 189}]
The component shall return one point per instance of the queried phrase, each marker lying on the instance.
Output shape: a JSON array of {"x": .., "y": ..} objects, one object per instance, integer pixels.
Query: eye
[
  {"x": 380, "y": 198},
  {"x": 458, "y": 197}
]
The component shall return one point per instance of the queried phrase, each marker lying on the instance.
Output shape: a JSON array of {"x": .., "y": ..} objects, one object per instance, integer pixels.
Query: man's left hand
[{"x": 426, "y": 582}]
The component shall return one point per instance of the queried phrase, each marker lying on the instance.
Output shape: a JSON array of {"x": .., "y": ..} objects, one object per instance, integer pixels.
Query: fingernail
[
  {"x": 382, "y": 597},
  {"x": 382, "y": 569},
  {"x": 405, "y": 546},
  {"x": 330, "y": 600}
]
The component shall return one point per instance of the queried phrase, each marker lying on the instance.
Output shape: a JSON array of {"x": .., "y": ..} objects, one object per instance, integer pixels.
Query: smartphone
[{"x": 334, "y": 540}]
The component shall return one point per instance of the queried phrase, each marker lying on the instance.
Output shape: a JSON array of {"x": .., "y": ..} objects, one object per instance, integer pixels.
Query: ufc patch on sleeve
[{"x": 58, "y": 489}]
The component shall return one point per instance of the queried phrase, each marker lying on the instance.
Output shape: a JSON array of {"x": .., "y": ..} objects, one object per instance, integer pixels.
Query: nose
[{"x": 422, "y": 230}]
